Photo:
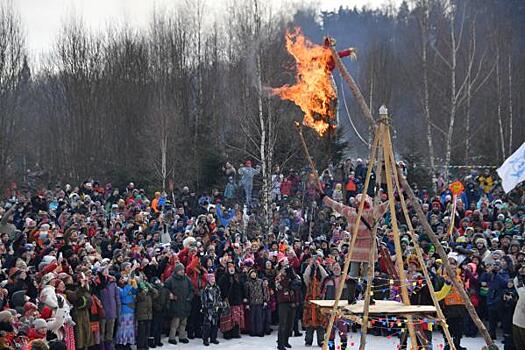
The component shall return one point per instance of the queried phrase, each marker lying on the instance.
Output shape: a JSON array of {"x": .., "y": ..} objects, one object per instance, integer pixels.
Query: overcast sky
[{"x": 42, "y": 18}]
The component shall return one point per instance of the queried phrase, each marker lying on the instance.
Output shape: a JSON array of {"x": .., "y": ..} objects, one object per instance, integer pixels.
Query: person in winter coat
[
  {"x": 510, "y": 297},
  {"x": 518, "y": 319},
  {"x": 232, "y": 292},
  {"x": 363, "y": 243},
  {"x": 211, "y": 302},
  {"x": 160, "y": 304},
  {"x": 254, "y": 296},
  {"x": 38, "y": 330},
  {"x": 229, "y": 190},
  {"x": 80, "y": 298},
  {"x": 329, "y": 291},
  {"x": 181, "y": 295},
  {"x": 313, "y": 277},
  {"x": 287, "y": 301},
  {"x": 247, "y": 174},
  {"x": 496, "y": 281},
  {"x": 110, "y": 298},
  {"x": 144, "y": 313},
  {"x": 126, "y": 322},
  {"x": 267, "y": 310},
  {"x": 197, "y": 275},
  {"x": 453, "y": 307}
]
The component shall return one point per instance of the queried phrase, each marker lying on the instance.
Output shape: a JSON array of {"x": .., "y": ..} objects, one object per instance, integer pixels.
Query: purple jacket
[{"x": 110, "y": 299}]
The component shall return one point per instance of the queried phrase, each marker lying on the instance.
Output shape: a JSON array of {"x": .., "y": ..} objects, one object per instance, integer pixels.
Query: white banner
[{"x": 512, "y": 172}]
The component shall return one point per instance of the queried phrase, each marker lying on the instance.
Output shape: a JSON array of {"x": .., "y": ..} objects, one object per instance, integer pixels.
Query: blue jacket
[
  {"x": 225, "y": 218},
  {"x": 127, "y": 299},
  {"x": 496, "y": 282}
]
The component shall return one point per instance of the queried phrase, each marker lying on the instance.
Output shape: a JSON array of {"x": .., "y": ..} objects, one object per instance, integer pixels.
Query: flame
[{"x": 313, "y": 91}]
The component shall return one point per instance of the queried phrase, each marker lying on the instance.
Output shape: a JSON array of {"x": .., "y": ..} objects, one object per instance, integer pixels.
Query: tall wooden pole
[
  {"x": 450, "y": 271},
  {"x": 397, "y": 239},
  {"x": 372, "y": 255},
  {"x": 419, "y": 254}
]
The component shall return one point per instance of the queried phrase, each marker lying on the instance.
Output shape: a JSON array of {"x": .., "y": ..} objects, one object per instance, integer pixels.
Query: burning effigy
[{"x": 313, "y": 91}]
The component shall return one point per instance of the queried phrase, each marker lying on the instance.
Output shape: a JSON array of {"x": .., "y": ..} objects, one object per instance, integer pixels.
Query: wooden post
[
  {"x": 419, "y": 253},
  {"x": 441, "y": 252},
  {"x": 305, "y": 149},
  {"x": 395, "y": 228},
  {"x": 372, "y": 257}
]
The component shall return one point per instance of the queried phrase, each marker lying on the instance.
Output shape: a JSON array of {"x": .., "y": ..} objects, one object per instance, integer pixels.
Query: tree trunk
[
  {"x": 453, "y": 97},
  {"x": 262, "y": 146},
  {"x": 510, "y": 104},
  {"x": 426, "y": 95},
  {"x": 163, "y": 165},
  {"x": 498, "y": 112}
]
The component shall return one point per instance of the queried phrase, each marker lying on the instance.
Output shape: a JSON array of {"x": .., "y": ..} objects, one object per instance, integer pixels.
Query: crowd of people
[{"x": 102, "y": 268}]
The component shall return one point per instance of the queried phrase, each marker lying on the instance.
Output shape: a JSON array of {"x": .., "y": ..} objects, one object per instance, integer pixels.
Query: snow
[{"x": 269, "y": 343}]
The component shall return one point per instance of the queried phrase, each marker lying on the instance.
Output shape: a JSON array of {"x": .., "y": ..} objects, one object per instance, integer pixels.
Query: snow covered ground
[{"x": 268, "y": 343}]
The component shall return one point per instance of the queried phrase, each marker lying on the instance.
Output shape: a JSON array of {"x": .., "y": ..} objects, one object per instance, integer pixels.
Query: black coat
[{"x": 231, "y": 289}]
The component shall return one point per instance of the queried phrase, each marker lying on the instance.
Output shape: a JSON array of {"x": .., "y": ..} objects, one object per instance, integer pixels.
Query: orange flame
[{"x": 313, "y": 91}]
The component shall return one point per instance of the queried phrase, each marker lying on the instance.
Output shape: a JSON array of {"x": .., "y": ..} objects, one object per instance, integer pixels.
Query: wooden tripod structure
[
  {"x": 382, "y": 157},
  {"x": 382, "y": 148}
]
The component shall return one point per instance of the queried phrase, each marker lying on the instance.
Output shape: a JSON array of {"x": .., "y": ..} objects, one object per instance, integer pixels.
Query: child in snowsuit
[{"x": 211, "y": 302}]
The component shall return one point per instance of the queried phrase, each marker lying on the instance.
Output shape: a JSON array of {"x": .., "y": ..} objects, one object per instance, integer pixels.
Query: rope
[{"x": 350, "y": 118}]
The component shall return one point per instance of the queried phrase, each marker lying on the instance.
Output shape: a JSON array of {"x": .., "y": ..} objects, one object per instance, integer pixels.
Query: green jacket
[
  {"x": 144, "y": 303},
  {"x": 181, "y": 288}
]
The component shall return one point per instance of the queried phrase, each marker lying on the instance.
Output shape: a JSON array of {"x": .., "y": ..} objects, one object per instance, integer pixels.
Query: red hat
[{"x": 46, "y": 312}]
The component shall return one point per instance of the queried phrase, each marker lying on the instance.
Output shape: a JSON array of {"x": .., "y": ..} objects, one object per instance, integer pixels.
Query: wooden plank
[
  {"x": 380, "y": 307},
  {"x": 329, "y": 303},
  {"x": 397, "y": 308}
]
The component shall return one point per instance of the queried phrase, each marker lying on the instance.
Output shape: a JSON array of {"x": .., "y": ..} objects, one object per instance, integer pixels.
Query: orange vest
[
  {"x": 453, "y": 297},
  {"x": 351, "y": 186}
]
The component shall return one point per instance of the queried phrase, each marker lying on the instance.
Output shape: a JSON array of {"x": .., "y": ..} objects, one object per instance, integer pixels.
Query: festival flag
[{"x": 512, "y": 172}]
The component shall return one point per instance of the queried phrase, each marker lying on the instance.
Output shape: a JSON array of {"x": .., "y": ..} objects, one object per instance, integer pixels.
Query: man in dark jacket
[
  {"x": 285, "y": 283},
  {"x": 181, "y": 294},
  {"x": 496, "y": 281},
  {"x": 160, "y": 305}
]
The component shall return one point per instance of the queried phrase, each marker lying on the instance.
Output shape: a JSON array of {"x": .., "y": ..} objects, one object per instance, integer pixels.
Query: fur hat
[
  {"x": 48, "y": 277},
  {"x": 39, "y": 323},
  {"x": 6, "y": 316},
  {"x": 481, "y": 240},
  {"x": 188, "y": 241}
]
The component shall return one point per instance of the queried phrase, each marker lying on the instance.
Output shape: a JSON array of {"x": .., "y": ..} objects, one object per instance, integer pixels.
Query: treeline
[{"x": 178, "y": 99}]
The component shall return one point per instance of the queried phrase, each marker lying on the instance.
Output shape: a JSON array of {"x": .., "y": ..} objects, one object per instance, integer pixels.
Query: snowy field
[{"x": 269, "y": 343}]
